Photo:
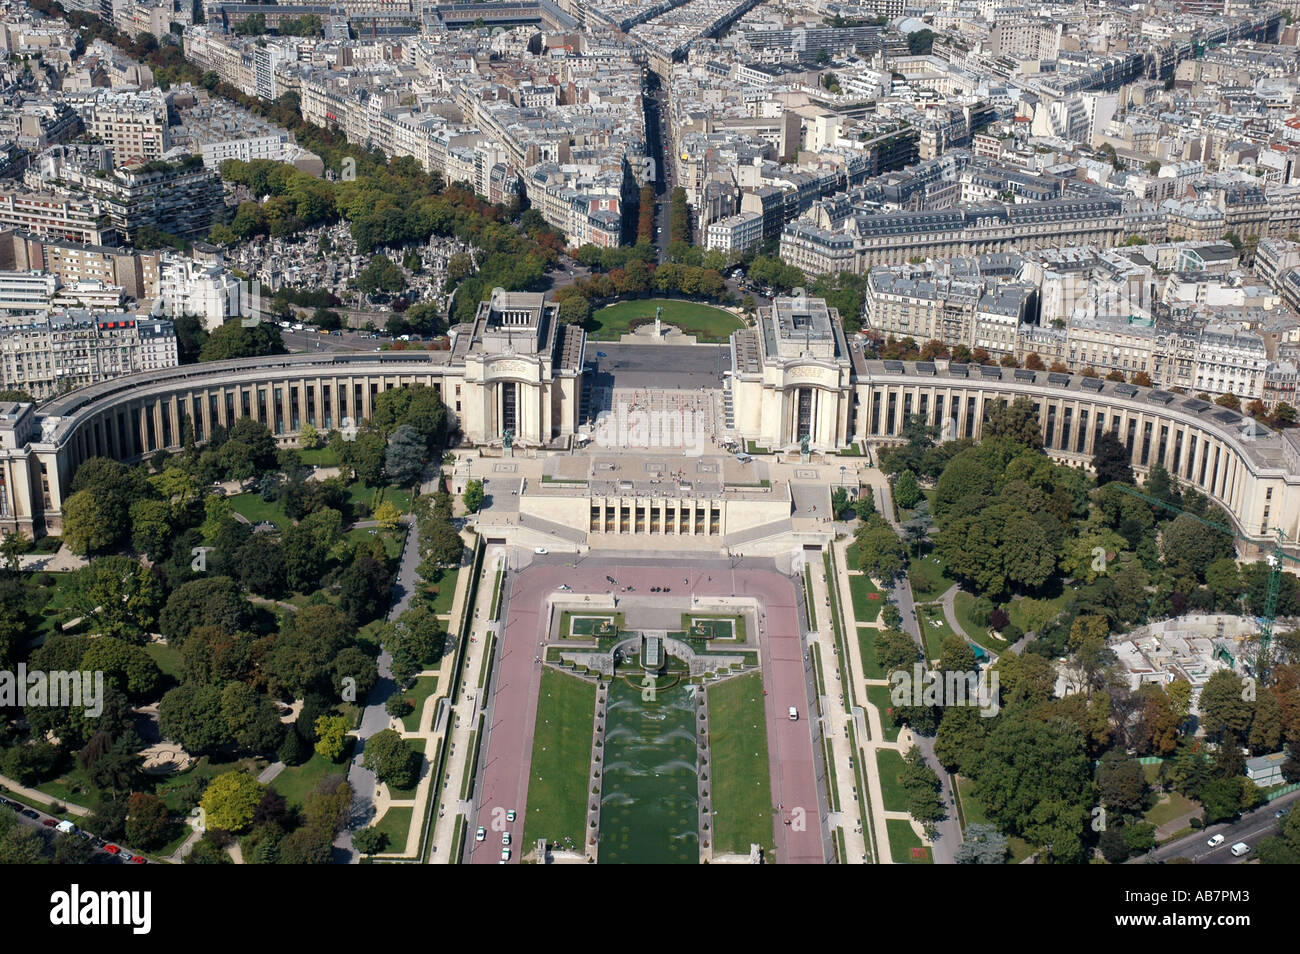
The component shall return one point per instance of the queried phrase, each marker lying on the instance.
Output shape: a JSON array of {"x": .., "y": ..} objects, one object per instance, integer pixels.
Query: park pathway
[
  {"x": 948, "y": 831},
  {"x": 835, "y": 721},
  {"x": 462, "y": 719}
]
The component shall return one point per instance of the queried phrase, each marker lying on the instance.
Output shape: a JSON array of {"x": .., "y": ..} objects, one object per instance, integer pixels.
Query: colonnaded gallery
[{"x": 517, "y": 382}]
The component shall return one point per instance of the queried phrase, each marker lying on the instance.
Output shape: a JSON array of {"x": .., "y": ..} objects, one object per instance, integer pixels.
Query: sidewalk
[
  {"x": 41, "y": 798},
  {"x": 835, "y": 726},
  {"x": 463, "y": 718}
]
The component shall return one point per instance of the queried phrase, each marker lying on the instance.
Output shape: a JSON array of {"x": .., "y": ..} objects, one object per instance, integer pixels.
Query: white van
[
  {"x": 1240, "y": 848},
  {"x": 794, "y": 714}
]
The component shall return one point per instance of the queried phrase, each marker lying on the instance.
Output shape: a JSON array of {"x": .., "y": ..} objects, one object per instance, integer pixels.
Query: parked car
[
  {"x": 113, "y": 849},
  {"x": 480, "y": 834},
  {"x": 28, "y": 813}
]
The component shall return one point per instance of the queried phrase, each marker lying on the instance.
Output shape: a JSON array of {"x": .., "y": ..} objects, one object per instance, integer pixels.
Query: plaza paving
[{"x": 506, "y": 758}]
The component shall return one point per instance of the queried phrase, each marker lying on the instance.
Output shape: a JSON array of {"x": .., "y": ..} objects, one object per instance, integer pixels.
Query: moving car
[
  {"x": 510, "y": 815},
  {"x": 1239, "y": 849},
  {"x": 505, "y": 855},
  {"x": 541, "y": 550},
  {"x": 1216, "y": 841},
  {"x": 794, "y": 714},
  {"x": 505, "y": 839},
  {"x": 480, "y": 834}
]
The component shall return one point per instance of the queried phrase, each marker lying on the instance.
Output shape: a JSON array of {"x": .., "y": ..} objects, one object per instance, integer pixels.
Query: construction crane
[{"x": 1274, "y": 559}]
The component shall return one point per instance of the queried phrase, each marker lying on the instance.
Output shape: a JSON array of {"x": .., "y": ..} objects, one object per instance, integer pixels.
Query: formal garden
[{"x": 251, "y": 620}]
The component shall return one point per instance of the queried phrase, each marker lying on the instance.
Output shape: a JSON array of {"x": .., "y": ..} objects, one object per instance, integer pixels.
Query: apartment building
[
  {"x": 132, "y": 123},
  {"x": 58, "y": 352}
]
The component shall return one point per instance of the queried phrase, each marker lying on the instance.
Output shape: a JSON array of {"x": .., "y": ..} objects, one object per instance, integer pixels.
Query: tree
[
  {"x": 906, "y": 490},
  {"x": 443, "y": 543},
  {"x": 308, "y": 437},
  {"x": 1190, "y": 548},
  {"x": 387, "y": 515},
  {"x": 369, "y": 841},
  {"x": 364, "y": 589},
  {"x": 92, "y": 522},
  {"x": 405, "y": 456},
  {"x": 211, "y": 601},
  {"x": 381, "y": 275},
  {"x": 192, "y": 715},
  {"x": 147, "y": 820},
  {"x": 981, "y": 845},
  {"x": 881, "y": 554},
  {"x": 1225, "y": 714},
  {"x": 128, "y": 667},
  {"x": 235, "y": 340},
  {"x": 1031, "y": 774},
  {"x": 331, "y": 736},
  {"x": 392, "y": 759},
  {"x": 117, "y": 596},
  {"x": 473, "y": 495},
  {"x": 416, "y": 640},
  {"x": 1111, "y": 460},
  {"x": 231, "y": 800},
  {"x": 1121, "y": 783},
  {"x": 251, "y": 719},
  {"x": 1017, "y": 421},
  {"x": 922, "y": 787}
]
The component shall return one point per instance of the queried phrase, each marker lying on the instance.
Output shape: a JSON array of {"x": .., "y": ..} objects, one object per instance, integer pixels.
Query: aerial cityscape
[{"x": 655, "y": 432}]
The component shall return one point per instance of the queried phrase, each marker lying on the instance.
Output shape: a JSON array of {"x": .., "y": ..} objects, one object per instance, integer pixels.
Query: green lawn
[
  {"x": 441, "y": 590},
  {"x": 962, "y": 606},
  {"x": 557, "y": 783},
  {"x": 890, "y": 764},
  {"x": 1167, "y": 811},
  {"x": 422, "y": 689},
  {"x": 391, "y": 539},
  {"x": 358, "y": 492},
  {"x": 934, "y": 635},
  {"x": 851, "y": 556},
  {"x": 296, "y": 782},
  {"x": 257, "y": 510},
  {"x": 1031, "y": 614},
  {"x": 742, "y": 791},
  {"x": 871, "y": 668},
  {"x": 59, "y": 588},
  {"x": 320, "y": 457},
  {"x": 167, "y": 657},
  {"x": 903, "y": 842},
  {"x": 865, "y": 608},
  {"x": 878, "y": 696},
  {"x": 929, "y": 579},
  {"x": 703, "y": 321},
  {"x": 396, "y": 823}
]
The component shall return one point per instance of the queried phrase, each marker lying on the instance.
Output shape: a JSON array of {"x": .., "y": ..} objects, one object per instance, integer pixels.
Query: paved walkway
[
  {"x": 835, "y": 722},
  {"x": 41, "y": 798},
  {"x": 462, "y": 718}
]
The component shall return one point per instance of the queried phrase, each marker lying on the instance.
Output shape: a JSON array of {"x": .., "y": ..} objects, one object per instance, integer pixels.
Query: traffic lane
[
  {"x": 50, "y": 832},
  {"x": 1253, "y": 826},
  {"x": 518, "y": 674}
]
